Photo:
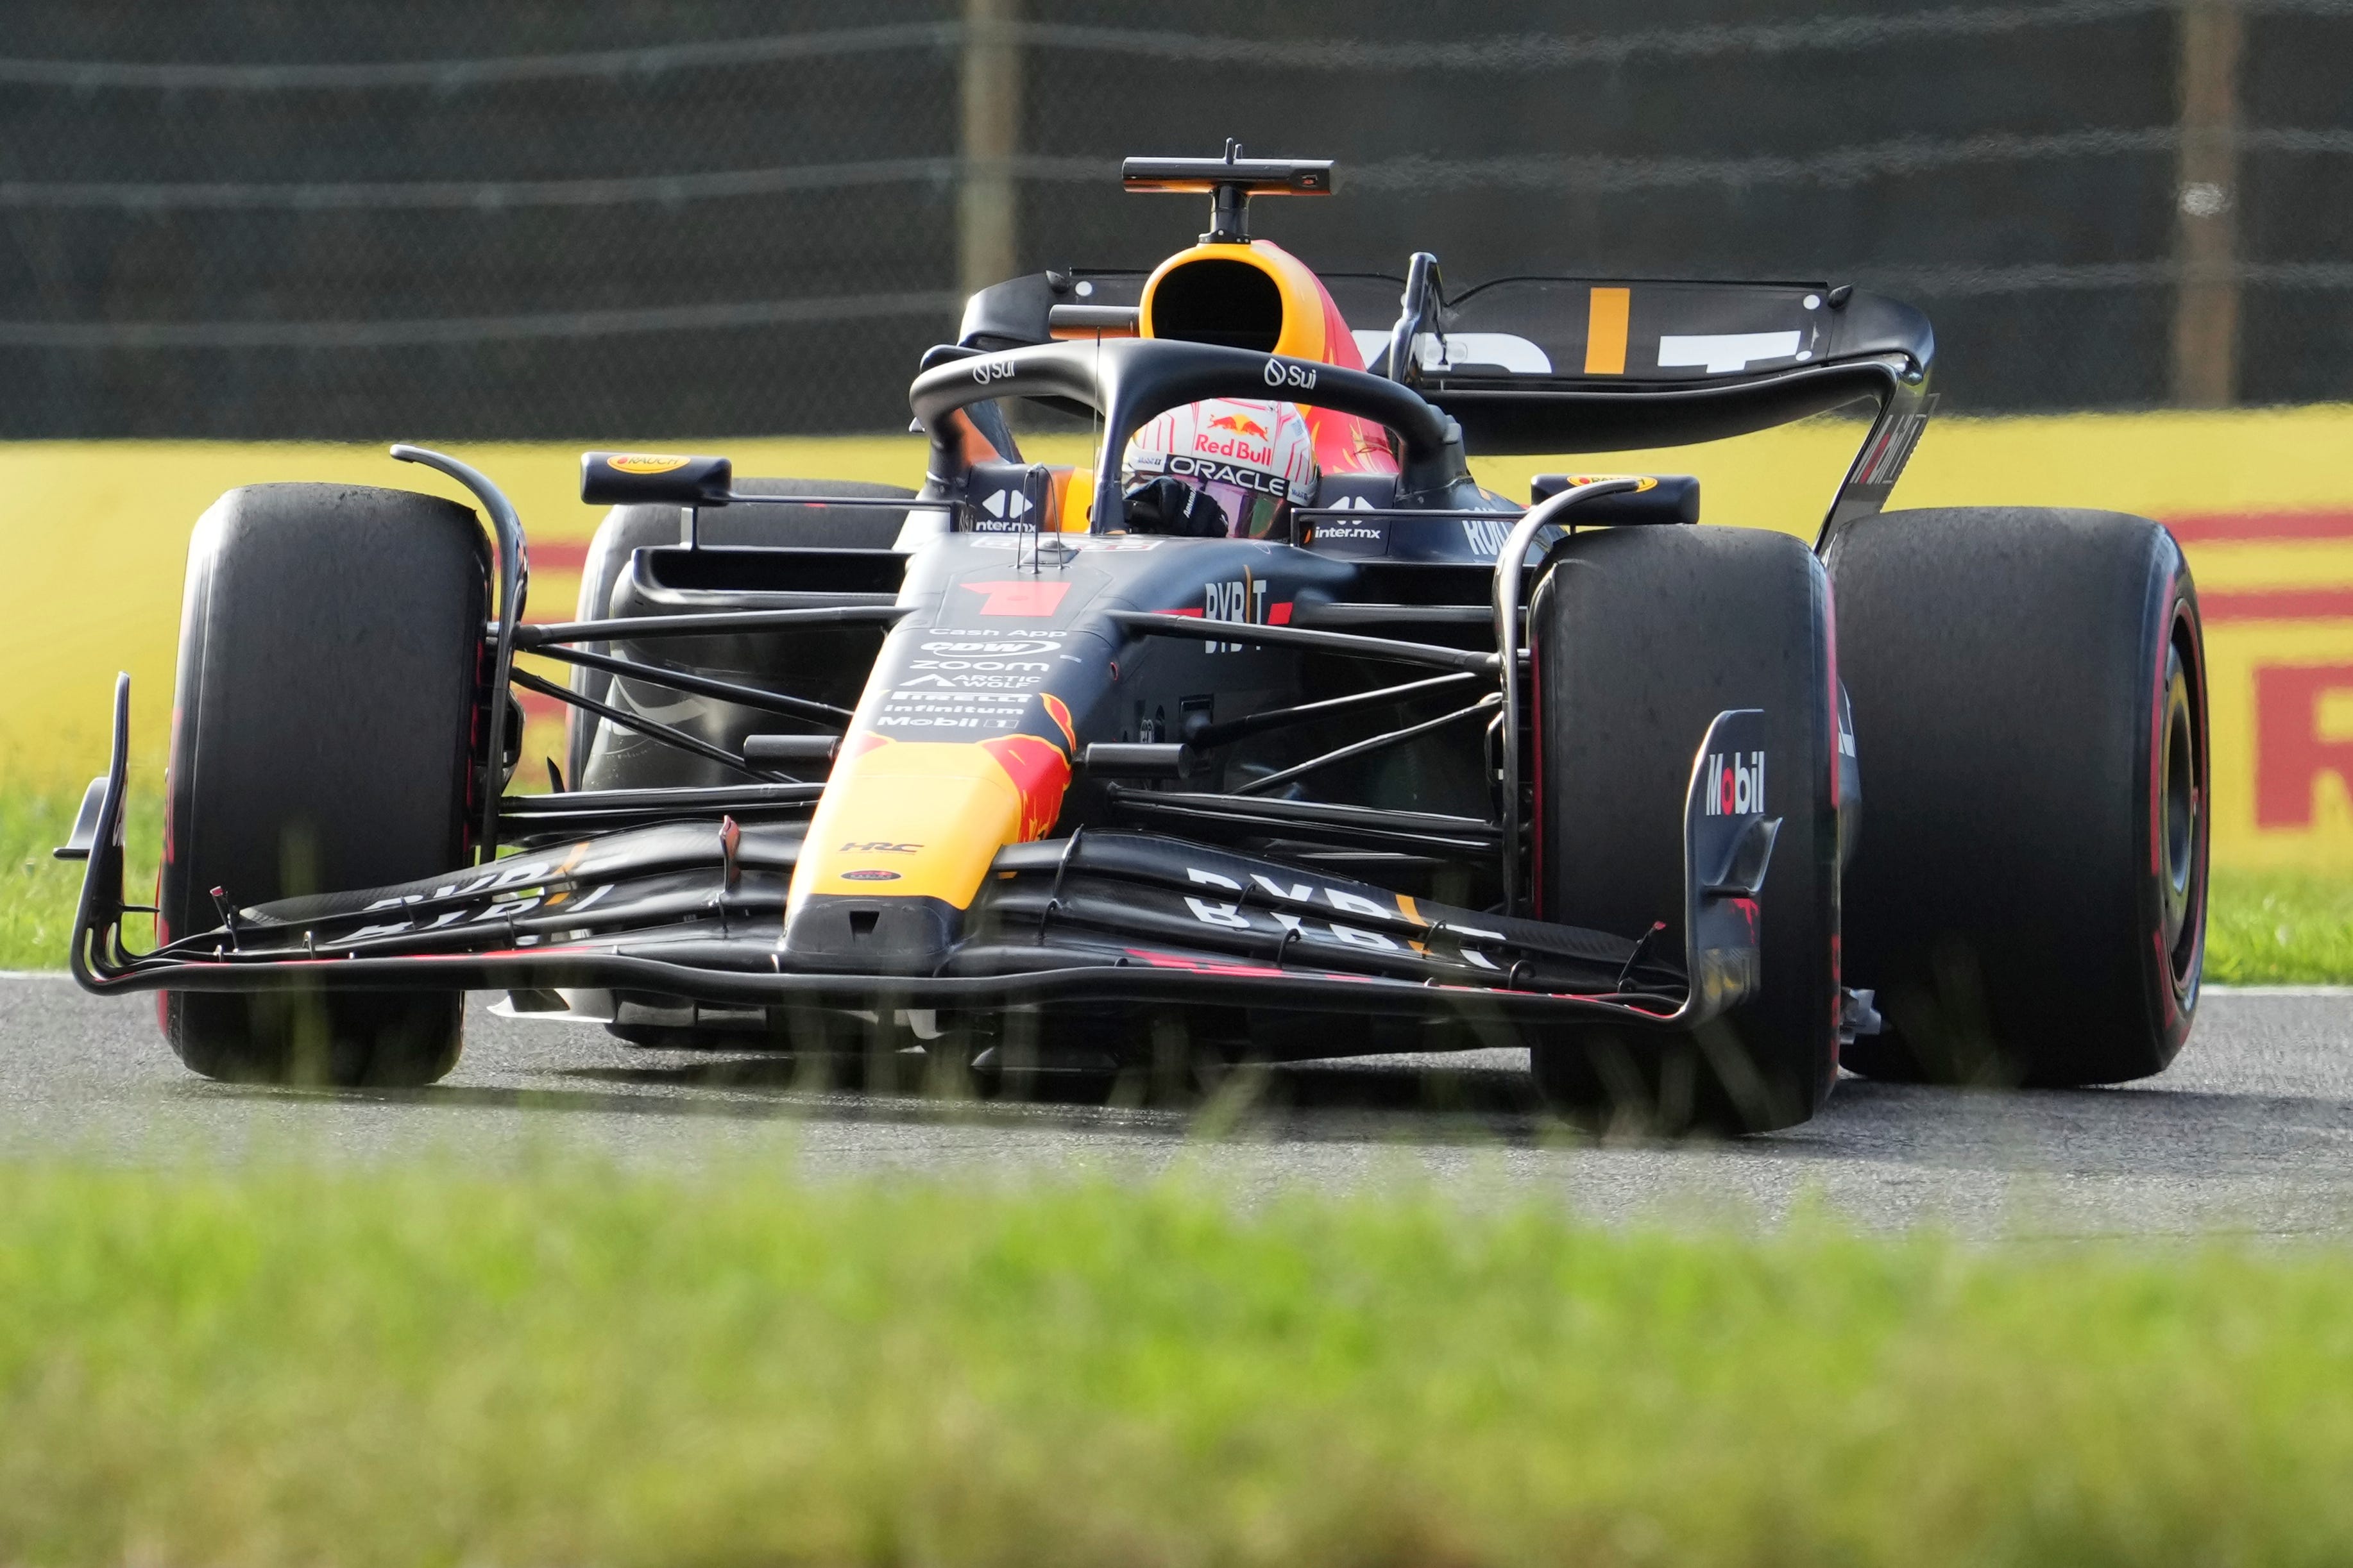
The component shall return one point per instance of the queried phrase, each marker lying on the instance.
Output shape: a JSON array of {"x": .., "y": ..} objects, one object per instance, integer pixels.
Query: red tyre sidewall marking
[
  {"x": 2177, "y": 614},
  {"x": 2157, "y": 749},
  {"x": 1536, "y": 796},
  {"x": 1838, "y": 898},
  {"x": 2158, "y": 706}
]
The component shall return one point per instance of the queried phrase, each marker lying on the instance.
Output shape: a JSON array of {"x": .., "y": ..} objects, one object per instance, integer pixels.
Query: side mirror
[
  {"x": 1662, "y": 498},
  {"x": 1011, "y": 498},
  {"x": 624, "y": 478}
]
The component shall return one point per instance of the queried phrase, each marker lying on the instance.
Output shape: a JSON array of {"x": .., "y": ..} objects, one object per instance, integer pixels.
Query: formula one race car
[{"x": 1271, "y": 735}]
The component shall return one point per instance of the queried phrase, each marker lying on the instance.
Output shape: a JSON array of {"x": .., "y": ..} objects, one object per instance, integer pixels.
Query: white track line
[{"x": 2279, "y": 990}]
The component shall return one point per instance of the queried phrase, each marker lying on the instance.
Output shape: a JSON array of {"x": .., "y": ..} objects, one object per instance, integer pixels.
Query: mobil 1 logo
[{"x": 1735, "y": 784}]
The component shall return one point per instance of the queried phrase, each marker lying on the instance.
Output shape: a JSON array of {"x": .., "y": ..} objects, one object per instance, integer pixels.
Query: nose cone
[
  {"x": 849, "y": 934},
  {"x": 899, "y": 845}
]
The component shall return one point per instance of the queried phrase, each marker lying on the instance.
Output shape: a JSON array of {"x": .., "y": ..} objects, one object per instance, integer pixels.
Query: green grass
[
  {"x": 2270, "y": 927},
  {"x": 295, "y": 1364},
  {"x": 2264, "y": 927},
  {"x": 37, "y": 892}
]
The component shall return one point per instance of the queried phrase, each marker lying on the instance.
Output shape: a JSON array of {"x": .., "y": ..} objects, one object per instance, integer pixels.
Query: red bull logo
[{"x": 1236, "y": 436}]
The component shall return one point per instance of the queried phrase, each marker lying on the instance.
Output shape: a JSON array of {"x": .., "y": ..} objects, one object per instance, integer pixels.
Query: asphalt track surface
[{"x": 2249, "y": 1132}]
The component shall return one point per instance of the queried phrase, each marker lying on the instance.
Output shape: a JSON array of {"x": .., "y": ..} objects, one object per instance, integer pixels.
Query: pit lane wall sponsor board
[
  {"x": 2262, "y": 504},
  {"x": 94, "y": 537},
  {"x": 95, "y": 541}
]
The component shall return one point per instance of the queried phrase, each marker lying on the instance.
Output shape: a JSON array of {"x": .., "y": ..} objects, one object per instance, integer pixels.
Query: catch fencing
[{"x": 269, "y": 219}]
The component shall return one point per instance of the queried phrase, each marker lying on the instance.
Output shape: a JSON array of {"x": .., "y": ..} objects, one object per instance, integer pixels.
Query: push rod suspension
[
  {"x": 1308, "y": 712},
  {"x": 702, "y": 685},
  {"x": 1381, "y": 743},
  {"x": 1420, "y": 832},
  {"x": 649, "y": 728},
  {"x": 1151, "y": 623},
  {"x": 636, "y": 628}
]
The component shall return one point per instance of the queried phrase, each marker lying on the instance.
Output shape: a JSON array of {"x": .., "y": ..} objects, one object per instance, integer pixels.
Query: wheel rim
[{"x": 2181, "y": 828}]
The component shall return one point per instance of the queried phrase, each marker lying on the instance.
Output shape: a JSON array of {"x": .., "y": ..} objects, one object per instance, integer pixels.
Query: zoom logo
[{"x": 1278, "y": 374}]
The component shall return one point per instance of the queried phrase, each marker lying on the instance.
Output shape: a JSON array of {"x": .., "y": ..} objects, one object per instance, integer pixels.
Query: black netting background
[{"x": 600, "y": 219}]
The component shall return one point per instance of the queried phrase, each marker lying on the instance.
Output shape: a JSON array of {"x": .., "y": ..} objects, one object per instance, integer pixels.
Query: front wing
[{"x": 694, "y": 910}]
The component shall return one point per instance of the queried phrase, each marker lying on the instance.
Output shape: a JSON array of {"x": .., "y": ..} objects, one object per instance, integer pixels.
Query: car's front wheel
[
  {"x": 323, "y": 739},
  {"x": 1641, "y": 636}
]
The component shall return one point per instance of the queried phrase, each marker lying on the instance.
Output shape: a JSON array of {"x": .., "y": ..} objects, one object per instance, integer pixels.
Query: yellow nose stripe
[{"x": 911, "y": 819}]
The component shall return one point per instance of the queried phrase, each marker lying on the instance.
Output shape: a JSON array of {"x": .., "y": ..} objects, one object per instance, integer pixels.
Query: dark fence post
[
  {"x": 2206, "y": 195},
  {"x": 986, "y": 201}
]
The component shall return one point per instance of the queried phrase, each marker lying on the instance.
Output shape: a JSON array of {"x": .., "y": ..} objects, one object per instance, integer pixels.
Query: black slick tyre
[
  {"x": 2029, "y": 895},
  {"x": 629, "y": 528},
  {"x": 330, "y": 653},
  {"x": 1641, "y": 636}
]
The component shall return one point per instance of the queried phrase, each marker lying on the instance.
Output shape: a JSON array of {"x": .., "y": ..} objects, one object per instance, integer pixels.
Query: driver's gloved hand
[{"x": 1167, "y": 505}]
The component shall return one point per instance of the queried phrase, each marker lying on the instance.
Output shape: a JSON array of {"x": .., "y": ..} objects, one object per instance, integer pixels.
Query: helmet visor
[{"x": 1250, "y": 514}]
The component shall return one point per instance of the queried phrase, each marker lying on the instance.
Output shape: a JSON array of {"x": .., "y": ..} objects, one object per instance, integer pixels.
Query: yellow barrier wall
[{"x": 93, "y": 537}]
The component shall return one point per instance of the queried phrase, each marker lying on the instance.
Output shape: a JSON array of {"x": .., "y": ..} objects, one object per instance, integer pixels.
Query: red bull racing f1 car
[{"x": 1273, "y": 734}]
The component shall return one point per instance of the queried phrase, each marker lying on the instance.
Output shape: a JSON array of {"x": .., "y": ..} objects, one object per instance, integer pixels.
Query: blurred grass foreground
[{"x": 288, "y": 1364}]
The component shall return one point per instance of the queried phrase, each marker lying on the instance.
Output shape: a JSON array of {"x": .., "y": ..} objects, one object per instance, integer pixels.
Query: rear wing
[{"x": 1568, "y": 365}]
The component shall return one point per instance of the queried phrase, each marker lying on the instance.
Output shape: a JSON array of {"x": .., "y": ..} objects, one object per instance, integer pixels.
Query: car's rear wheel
[
  {"x": 2029, "y": 897},
  {"x": 324, "y": 739},
  {"x": 1641, "y": 636}
]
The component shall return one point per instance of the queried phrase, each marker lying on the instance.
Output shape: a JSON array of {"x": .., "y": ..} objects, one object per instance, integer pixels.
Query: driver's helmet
[{"x": 1252, "y": 461}]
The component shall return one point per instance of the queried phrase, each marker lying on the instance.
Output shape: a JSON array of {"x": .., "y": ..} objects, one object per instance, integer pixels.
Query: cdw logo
[{"x": 1735, "y": 787}]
